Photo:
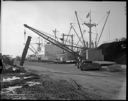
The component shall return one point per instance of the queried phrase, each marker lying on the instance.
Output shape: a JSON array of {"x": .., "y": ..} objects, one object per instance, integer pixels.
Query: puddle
[
  {"x": 28, "y": 77},
  {"x": 13, "y": 69},
  {"x": 33, "y": 83},
  {"x": 9, "y": 79},
  {"x": 22, "y": 73},
  {"x": 10, "y": 89}
]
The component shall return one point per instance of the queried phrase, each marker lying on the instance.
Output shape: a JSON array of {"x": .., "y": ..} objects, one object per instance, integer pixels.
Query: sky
[{"x": 48, "y": 15}]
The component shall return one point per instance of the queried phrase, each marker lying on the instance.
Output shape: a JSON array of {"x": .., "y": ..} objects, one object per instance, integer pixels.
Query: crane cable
[
  {"x": 77, "y": 34},
  {"x": 32, "y": 51},
  {"x": 79, "y": 40}
]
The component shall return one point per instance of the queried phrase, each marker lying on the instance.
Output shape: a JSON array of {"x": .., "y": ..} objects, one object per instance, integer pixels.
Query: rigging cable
[{"x": 77, "y": 34}]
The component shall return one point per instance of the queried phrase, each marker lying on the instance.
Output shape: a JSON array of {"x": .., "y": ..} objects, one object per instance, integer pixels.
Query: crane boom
[
  {"x": 32, "y": 50},
  {"x": 76, "y": 33},
  {"x": 103, "y": 26},
  {"x": 53, "y": 41},
  {"x": 80, "y": 28}
]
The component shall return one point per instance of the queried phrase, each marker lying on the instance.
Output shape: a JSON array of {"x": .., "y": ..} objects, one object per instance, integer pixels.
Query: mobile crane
[{"x": 80, "y": 61}]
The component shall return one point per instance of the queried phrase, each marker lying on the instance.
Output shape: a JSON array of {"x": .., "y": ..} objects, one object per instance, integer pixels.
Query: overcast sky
[{"x": 48, "y": 15}]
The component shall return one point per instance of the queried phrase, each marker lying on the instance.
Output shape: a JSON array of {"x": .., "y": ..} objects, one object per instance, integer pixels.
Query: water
[
  {"x": 33, "y": 83},
  {"x": 10, "y": 89},
  {"x": 10, "y": 79},
  {"x": 27, "y": 77}
]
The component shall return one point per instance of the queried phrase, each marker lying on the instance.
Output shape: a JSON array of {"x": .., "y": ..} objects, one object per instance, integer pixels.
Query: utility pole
[
  {"x": 90, "y": 25},
  {"x": 25, "y": 51}
]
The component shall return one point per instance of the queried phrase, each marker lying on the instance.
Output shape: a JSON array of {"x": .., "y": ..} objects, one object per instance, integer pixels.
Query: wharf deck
[{"x": 104, "y": 63}]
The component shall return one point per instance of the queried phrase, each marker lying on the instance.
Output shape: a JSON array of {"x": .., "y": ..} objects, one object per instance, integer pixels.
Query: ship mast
[{"x": 90, "y": 25}]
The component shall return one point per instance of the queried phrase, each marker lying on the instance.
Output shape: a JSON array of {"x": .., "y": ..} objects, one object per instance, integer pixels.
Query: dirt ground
[
  {"x": 31, "y": 86},
  {"x": 105, "y": 84}
]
